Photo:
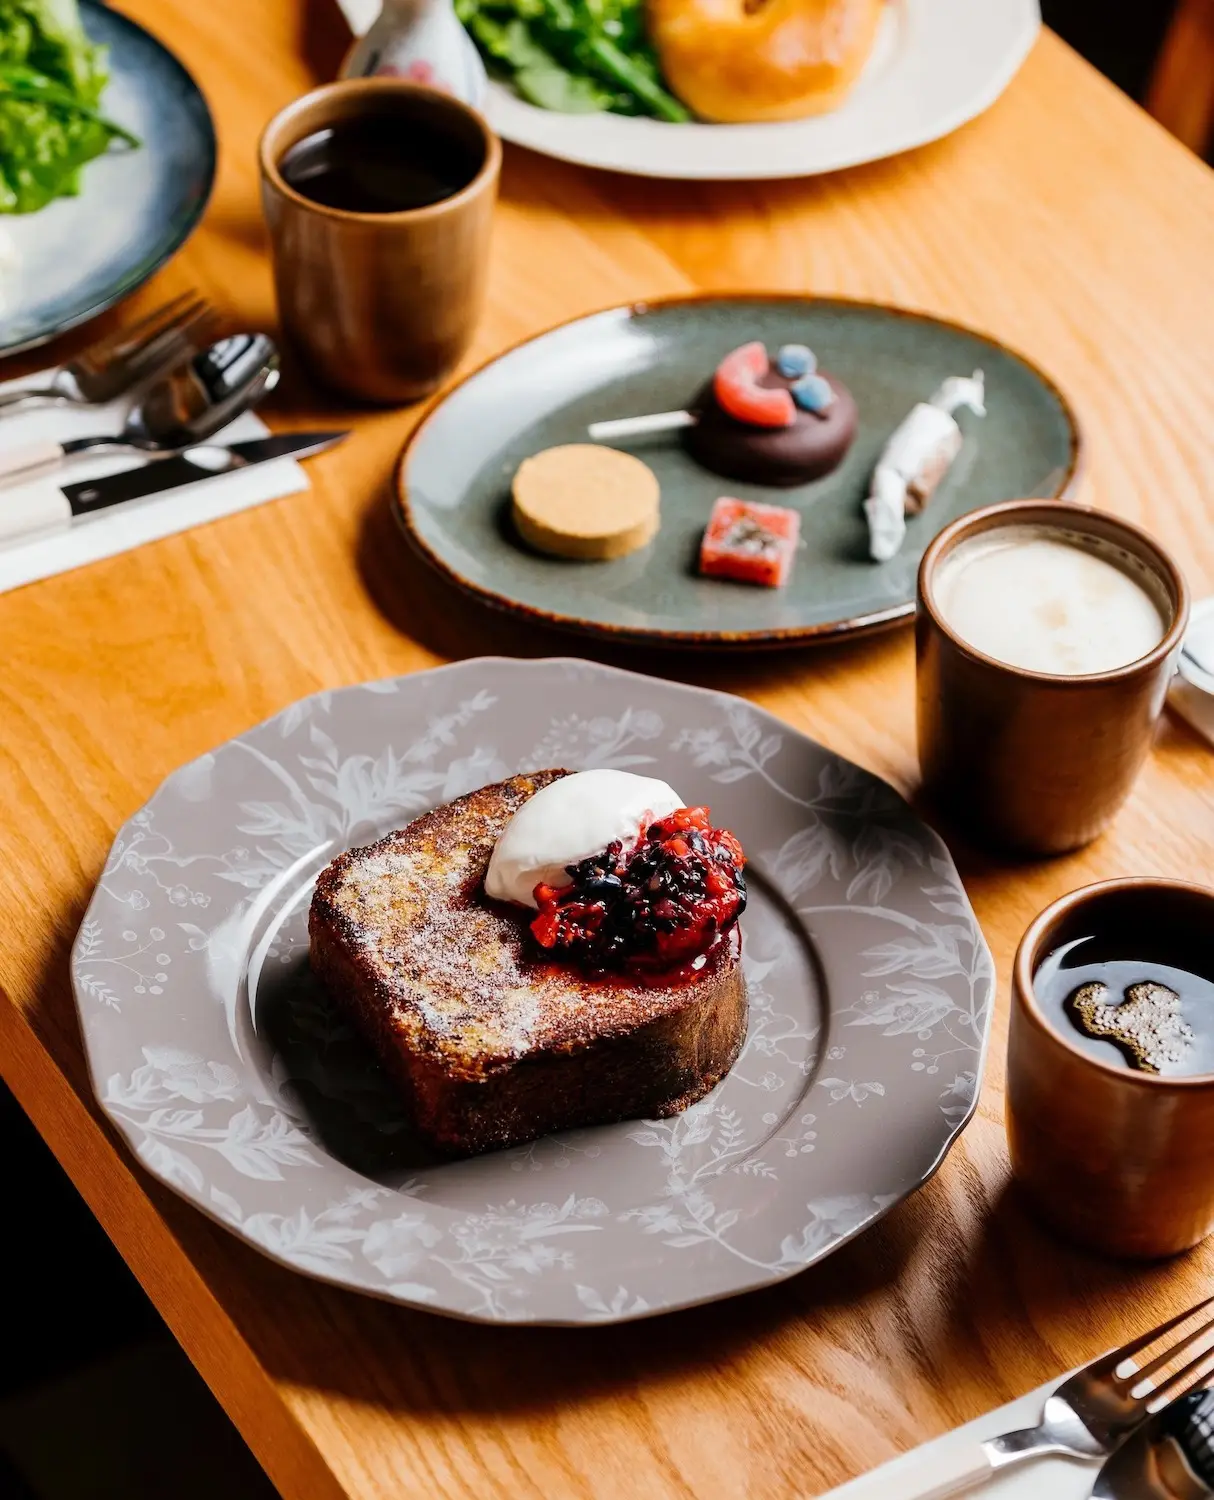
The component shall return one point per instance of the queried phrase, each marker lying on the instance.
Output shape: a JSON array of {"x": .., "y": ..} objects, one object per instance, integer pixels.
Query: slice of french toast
[{"x": 490, "y": 1045}]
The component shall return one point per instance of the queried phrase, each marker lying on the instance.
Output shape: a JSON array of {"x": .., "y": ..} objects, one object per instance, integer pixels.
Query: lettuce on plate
[
  {"x": 574, "y": 56},
  {"x": 51, "y": 81}
]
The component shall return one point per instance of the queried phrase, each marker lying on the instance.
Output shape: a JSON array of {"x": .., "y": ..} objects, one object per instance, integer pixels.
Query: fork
[
  {"x": 127, "y": 358},
  {"x": 1089, "y": 1415}
]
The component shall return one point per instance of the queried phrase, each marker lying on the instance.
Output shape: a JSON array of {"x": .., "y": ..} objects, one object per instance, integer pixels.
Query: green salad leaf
[
  {"x": 51, "y": 81},
  {"x": 574, "y": 56}
]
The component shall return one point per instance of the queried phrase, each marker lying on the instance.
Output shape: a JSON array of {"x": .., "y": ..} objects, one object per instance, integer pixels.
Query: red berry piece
[{"x": 738, "y": 392}]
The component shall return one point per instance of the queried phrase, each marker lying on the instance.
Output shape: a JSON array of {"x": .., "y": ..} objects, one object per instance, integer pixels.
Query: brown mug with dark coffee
[
  {"x": 1046, "y": 637},
  {"x": 379, "y": 197},
  {"x": 1110, "y": 1071}
]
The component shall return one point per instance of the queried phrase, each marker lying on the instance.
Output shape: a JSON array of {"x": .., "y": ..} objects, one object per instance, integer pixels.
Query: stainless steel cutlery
[
  {"x": 186, "y": 406},
  {"x": 123, "y": 360},
  {"x": 43, "y": 505},
  {"x": 1170, "y": 1457}
]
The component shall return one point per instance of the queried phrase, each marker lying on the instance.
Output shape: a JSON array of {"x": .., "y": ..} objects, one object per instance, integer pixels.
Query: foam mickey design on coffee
[{"x": 1147, "y": 1025}]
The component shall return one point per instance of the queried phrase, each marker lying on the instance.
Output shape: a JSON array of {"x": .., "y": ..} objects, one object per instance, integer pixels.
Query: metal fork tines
[
  {"x": 124, "y": 359},
  {"x": 1101, "y": 1404}
]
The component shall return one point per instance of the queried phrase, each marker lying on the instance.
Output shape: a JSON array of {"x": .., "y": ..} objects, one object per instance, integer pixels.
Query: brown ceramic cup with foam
[
  {"x": 381, "y": 306},
  {"x": 1117, "y": 1160},
  {"x": 1032, "y": 762}
]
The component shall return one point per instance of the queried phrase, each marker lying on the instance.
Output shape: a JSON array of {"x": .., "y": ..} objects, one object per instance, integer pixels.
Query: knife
[{"x": 45, "y": 506}]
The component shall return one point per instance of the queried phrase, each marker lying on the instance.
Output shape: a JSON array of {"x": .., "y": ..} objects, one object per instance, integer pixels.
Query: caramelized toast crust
[{"x": 490, "y": 1046}]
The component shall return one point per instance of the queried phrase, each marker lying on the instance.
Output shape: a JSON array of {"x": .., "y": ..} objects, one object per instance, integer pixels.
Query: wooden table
[{"x": 1065, "y": 222}]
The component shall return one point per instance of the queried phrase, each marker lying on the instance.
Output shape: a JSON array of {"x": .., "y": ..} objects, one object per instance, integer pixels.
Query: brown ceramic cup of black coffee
[
  {"x": 1039, "y": 761},
  {"x": 1115, "y": 1154},
  {"x": 379, "y": 197}
]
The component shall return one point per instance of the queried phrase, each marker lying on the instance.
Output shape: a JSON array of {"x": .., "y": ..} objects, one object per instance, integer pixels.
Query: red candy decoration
[
  {"x": 738, "y": 392},
  {"x": 749, "y": 542}
]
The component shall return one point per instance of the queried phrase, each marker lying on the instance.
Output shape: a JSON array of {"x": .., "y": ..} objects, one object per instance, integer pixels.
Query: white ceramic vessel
[{"x": 420, "y": 40}]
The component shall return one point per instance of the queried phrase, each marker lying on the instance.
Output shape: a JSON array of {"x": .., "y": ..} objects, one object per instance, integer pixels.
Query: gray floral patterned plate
[{"x": 236, "y": 1083}]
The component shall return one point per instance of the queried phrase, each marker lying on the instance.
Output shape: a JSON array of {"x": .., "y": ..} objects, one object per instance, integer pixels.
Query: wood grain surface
[{"x": 1065, "y": 222}]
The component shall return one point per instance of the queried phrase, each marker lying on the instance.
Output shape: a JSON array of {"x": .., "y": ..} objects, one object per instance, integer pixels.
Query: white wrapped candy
[{"x": 915, "y": 460}]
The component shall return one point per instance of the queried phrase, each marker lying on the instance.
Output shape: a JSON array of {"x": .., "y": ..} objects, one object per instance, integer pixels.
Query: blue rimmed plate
[{"x": 79, "y": 256}]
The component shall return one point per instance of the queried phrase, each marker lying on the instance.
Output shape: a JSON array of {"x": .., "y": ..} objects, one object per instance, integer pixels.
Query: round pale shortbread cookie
[{"x": 584, "y": 501}]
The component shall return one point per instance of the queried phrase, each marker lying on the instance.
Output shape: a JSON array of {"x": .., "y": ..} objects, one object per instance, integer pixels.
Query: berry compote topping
[{"x": 656, "y": 906}]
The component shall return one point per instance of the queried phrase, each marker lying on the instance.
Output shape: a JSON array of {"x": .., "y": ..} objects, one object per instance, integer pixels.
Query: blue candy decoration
[
  {"x": 813, "y": 393},
  {"x": 794, "y": 360}
]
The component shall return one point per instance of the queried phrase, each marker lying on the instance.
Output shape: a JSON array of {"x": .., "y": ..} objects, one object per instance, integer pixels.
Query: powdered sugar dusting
[{"x": 455, "y": 965}]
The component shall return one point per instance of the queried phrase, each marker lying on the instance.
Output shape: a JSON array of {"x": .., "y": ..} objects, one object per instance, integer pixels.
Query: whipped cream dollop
[{"x": 571, "y": 820}]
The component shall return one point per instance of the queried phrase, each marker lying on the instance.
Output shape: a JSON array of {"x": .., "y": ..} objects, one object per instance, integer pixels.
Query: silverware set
[
  {"x": 1136, "y": 1408},
  {"x": 184, "y": 406},
  {"x": 184, "y": 390}
]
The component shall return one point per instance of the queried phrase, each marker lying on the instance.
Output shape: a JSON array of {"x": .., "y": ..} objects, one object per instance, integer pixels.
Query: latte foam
[{"x": 1051, "y": 600}]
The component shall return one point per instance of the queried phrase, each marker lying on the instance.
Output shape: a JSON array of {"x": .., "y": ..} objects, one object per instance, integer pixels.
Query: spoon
[
  {"x": 1170, "y": 1457},
  {"x": 182, "y": 409}
]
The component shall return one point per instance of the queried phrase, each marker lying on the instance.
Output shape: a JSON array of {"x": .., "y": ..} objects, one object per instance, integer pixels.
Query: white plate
[{"x": 937, "y": 64}]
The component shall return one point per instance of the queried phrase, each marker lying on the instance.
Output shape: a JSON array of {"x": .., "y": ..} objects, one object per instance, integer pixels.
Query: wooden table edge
[{"x": 120, "y": 1197}]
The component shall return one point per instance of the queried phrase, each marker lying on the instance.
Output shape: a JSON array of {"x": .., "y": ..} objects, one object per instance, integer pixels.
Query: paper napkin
[
  {"x": 1186, "y": 698},
  {"x": 1195, "y": 706},
  {"x": 121, "y": 527}
]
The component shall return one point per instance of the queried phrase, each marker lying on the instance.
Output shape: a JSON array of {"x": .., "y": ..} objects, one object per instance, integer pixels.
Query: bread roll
[{"x": 732, "y": 61}]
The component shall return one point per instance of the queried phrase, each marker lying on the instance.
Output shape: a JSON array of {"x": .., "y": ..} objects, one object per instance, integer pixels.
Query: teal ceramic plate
[
  {"x": 79, "y": 256},
  {"x": 454, "y": 476}
]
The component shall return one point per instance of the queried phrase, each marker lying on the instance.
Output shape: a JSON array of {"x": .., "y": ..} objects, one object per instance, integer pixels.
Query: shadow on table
[
  {"x": 1013, "y": 1263},
  {"x": 657, "y": 208},
  {"x": 421, "y": 1363},
  {"x": 949, "y": 1273}
]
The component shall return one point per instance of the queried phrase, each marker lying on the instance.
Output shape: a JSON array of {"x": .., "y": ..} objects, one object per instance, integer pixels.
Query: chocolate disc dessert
[{"x": 779, "y": 423}]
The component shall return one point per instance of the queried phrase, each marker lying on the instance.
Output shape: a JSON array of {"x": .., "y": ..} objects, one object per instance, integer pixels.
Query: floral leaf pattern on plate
[{"x": 237, "y": 1081}]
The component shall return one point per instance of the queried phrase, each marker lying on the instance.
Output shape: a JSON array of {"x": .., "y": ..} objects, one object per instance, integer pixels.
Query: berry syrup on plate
[{"x": 655, "y": 908}]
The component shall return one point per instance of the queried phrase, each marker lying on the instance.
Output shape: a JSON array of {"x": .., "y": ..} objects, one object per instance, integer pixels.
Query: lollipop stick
[{"x": 630, "y": 427}]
